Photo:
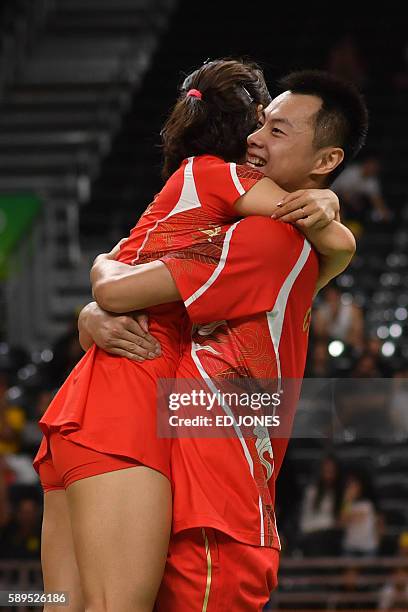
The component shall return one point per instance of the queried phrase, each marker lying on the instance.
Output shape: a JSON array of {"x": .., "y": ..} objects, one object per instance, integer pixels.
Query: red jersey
[
  {"x": 108, "y": 403},
  {"x": 194, "y": 202},
  {"x": 257, "y": 279}
]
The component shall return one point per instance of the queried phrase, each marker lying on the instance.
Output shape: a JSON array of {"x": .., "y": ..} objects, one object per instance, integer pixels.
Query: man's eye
[
  {"x": 259, "y": 125},
  {"x": 277, "y": 131}
]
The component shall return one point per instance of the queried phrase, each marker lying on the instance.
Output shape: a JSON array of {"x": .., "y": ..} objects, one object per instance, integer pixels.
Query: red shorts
[
  {"x": 208, "y": 571},
  {"x": 69, "y": 462}
]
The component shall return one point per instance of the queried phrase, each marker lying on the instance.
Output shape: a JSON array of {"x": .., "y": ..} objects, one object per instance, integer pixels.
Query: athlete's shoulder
[
  {"x": 209, "y": 164},
  {"x": 265, "y": 237},
  {"x": 244, "y": 172},
  {"x": 209, "y": 160},
  {"x": 268, "y": 227},
  {"x": 217, "y": 163}
]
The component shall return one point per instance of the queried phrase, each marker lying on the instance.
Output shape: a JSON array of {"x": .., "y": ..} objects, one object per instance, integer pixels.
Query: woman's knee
[
  {"x": 139, "y": 600},
  {"x": 59, "y": 565}
]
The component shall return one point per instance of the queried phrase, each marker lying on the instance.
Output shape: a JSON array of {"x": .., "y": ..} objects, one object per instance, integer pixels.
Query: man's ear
[{"x": 327, "y": 160}]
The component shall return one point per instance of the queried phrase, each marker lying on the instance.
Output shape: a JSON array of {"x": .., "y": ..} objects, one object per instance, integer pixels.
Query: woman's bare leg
[
  {"x": 60, "y": 569},
  {"x": 121, "y": 527}
]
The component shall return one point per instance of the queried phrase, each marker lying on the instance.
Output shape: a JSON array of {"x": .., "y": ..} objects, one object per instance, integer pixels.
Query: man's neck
[{"x": 309, "y": 183}]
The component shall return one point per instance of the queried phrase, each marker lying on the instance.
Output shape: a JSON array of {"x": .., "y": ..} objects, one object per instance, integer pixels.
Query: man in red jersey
[
  {"x": 227, "y": 485},
  {"x": 224, "y": 549}
]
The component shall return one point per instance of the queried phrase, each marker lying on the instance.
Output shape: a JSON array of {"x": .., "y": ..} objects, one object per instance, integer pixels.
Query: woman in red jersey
[{"x": 101, "y": 424}]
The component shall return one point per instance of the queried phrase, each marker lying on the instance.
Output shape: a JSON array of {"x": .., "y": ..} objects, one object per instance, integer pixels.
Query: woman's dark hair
[
  {"x": 337, "y": 487},
  {"x": 362, "y": 476},
  {"x": 219, "y": 122}
]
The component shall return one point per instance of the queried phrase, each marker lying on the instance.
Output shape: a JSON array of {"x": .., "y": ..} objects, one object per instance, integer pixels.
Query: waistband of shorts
[{"x": 251, "y": 537}]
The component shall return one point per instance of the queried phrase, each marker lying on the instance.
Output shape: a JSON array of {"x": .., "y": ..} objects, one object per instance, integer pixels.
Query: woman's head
[
  {"x": 329, "y": 480},
  {"x": 358, "y": 483},
  {"x": 329, "y": 471},
  {"x": 217, "y": 118}
]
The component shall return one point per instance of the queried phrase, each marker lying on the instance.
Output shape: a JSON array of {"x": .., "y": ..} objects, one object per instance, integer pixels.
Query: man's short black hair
[{"x": 342, "y": 120}]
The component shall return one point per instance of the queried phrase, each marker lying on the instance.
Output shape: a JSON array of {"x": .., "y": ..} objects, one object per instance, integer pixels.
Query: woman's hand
[
  {"x": 309, "y": 208},
  {"x": 125, "y": 335}
]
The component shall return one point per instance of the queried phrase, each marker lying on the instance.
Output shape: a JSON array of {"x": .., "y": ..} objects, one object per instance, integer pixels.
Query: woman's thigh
[{"x": 121, "y": 526}]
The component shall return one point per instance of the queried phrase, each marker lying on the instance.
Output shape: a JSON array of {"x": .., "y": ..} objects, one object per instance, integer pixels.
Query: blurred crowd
[
  {"x": 27, "y": 385},
  {"x": 340, "y": 514}
]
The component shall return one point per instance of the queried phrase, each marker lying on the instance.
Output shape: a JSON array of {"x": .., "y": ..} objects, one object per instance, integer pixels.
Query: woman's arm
[
  {"x": 312, "y": 207},
  {"x": 119, "y": 288},
  {"x": 262, "y": 199}
]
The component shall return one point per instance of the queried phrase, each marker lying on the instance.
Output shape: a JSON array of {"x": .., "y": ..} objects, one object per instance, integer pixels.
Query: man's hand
[
  {"x": 309, "y": 208},
  {"x": 125, "y": 335}
]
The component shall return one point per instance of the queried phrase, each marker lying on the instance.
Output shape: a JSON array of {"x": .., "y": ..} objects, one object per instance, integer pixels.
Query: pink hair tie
[{"x": 194, "y": 93}]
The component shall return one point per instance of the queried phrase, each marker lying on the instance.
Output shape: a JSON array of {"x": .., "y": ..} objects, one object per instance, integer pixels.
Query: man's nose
[{"x": 256, "y": 139}]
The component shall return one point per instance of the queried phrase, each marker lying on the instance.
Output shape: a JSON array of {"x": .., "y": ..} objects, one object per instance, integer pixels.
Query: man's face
[{"x": 283, "y": 145}]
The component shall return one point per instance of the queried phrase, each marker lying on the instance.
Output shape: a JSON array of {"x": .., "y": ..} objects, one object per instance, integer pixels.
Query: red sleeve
[
  {"x": 220, "y": 184},
  {"x": 246, "y": 271}
]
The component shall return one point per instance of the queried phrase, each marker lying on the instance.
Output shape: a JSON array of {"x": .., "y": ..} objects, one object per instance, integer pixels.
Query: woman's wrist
[{"x": 85, "y": 337}]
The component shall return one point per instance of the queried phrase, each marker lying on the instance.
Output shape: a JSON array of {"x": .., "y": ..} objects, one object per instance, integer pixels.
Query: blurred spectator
[
  {"x": 12, "y": 419},
  {"x": 359, "y": 517},
  {"x": 401, "y": 76},
  {"x": 67, "y": 352},
  {"x": 318, "y": 364},
  {"x": 394, "y": 595},
  {"x": 366, "y": 366},
  {"x": 21, "y": 538},
  {"x": 373, "y": 347},
  {"x": 320, "y": 510},
  {"x": 399, "y": 403},
  {"x": 346, "y": 61},
  {"x": 287, "y": 496},
  {"x": 32, "y": 434},
  {"x": 363, "y": 401},
  {"x": 403, "y": 545},
  {"x": 352, "y": 584},
  {"x": 360, "y": 192},
  {"x": 4, "y": 499},
  {"x": 338, "y": 319}
]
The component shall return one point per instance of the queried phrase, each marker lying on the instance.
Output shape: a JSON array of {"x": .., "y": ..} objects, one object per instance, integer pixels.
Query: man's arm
[
  {"x": 336, "y": 246},
  {"x": 126, "y": 335},
  {"x": 85, "y": 338}
]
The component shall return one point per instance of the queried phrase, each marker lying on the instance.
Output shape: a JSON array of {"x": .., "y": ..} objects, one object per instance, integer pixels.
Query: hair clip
[{"x": 248, "y": 94}]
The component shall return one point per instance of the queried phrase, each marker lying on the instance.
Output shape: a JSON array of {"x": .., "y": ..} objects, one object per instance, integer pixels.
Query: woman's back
[{"x": 107, "y": 401}]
